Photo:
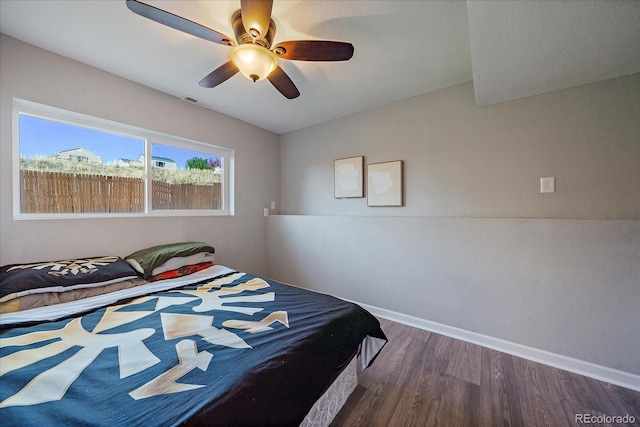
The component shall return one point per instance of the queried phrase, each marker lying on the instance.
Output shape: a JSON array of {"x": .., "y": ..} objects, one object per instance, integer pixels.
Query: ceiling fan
[{"x": 251, "y": 52}]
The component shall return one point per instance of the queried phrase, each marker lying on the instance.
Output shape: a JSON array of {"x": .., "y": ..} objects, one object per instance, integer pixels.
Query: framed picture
[
  {"x": 349, "y": 177},
  {"x": 384, "y": 184}
]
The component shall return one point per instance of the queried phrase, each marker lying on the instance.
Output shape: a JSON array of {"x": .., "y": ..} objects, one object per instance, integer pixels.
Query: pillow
[
  {"x": 181, "y": 261},
  {"x": 146, "y": 260},
  {"x": 185, "y": 270},
  {"x": 27, "y": 302},
  {"x": 59, "y": 276}
]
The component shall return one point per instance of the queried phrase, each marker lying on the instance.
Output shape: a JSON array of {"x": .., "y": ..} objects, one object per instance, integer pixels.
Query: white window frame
[{"x": 24, "y": 107}]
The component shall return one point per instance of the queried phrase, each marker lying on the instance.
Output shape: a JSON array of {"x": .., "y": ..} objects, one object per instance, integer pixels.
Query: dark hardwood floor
[{"x": 425, "y": 379}]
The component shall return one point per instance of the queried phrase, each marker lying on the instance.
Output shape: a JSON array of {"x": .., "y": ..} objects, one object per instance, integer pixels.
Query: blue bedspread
[{"x": 237, "y": 350}]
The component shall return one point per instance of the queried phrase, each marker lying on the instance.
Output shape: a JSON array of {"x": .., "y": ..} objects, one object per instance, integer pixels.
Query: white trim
[{"x": 581, "y": 367}]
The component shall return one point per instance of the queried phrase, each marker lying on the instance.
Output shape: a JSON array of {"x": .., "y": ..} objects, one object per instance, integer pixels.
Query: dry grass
[{"x": 190, "y": 176}]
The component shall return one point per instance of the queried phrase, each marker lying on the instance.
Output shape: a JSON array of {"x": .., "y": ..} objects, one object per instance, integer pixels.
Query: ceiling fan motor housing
[{"x": 243, "y": 36}]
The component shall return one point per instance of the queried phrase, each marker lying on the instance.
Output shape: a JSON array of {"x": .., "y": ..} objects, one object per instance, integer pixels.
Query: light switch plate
[
  {"x": 266, "y": 212},
  {"x": 547, "y": 184}
]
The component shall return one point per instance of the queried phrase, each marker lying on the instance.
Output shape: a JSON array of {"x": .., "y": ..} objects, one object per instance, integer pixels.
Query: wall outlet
[
  {"x": 266, "y": 212},
  {"x": 547, "y": 185},
  {"x": 273, "y": 205}
]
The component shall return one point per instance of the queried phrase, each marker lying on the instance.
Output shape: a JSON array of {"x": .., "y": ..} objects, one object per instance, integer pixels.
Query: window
[
  {"x": 69, "y": 165},
  {"x": 195, "y": 184}
]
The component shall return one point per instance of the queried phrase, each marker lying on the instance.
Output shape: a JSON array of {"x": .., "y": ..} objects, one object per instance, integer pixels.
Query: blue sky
[{"x": 40, "y": 137}]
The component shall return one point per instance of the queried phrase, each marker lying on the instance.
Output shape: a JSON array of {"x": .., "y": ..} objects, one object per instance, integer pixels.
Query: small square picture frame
[
  {"x": 349, "y": 178},
  {"x": 385, "y": 184}
]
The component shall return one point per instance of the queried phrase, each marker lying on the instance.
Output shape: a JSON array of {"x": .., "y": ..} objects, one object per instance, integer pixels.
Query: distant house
[
  {"x": 78, "y": 155},
  {"x": 160, "y": 162},
  {"x": 125, "y": 163}
]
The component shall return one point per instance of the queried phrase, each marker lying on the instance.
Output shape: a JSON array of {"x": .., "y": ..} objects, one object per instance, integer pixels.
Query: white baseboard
[{"x": 581, "y": 367}]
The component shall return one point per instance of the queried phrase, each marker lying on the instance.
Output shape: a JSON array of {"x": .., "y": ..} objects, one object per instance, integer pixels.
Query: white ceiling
[{"x": 511, "y": 49}]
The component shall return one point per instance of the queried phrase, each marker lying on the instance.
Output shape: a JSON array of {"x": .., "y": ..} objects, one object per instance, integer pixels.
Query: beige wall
[
  {"x": 477, "y": 247},
  {"x": 40, "y": 76},
  {"x": 482, "y": 162}
]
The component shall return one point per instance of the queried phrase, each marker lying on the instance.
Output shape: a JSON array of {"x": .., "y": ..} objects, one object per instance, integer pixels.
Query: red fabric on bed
[{"x": 182, "y": 271}]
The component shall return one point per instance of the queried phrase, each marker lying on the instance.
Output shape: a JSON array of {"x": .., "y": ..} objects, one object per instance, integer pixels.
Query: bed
[{"x": 165, "y": 336}]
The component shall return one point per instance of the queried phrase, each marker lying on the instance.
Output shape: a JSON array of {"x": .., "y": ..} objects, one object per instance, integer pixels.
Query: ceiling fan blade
[
  {"x": 219, "y": 75},
  {"x": 177, "y": 22},
  {"x": 281, "y": 81},
  {"x": 314, "y": 50},
  {"x": 256, "y": 14}
]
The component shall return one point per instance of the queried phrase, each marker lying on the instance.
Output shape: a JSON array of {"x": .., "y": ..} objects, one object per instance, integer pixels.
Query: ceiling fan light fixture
[
  {"x": 254, "y": 61},
  {"x": 254, "y": 33}
]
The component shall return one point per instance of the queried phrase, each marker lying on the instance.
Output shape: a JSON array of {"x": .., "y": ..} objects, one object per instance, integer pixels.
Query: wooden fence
[
  {"x": 185, "y": 196},
  {"x": 56, "y": 192}
]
